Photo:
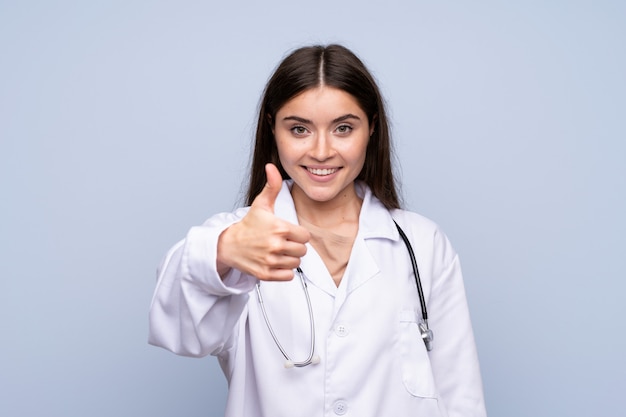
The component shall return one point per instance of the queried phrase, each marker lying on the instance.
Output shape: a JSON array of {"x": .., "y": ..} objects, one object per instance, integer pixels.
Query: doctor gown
[{"x": 373, "y": 362}]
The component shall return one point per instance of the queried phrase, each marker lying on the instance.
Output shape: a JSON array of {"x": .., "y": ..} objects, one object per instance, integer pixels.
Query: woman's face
[{"x": 321, "y": 136}]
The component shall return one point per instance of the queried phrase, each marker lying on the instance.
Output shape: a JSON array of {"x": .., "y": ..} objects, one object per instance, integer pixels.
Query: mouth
[{"x": 322, "y": 171}]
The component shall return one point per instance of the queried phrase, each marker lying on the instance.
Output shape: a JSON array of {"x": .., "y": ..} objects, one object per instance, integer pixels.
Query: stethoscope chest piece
[{"x": 427, "y": 335}]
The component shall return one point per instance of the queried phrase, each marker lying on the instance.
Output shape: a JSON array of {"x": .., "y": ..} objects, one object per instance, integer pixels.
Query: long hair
[{"x": 332, "y": 66}]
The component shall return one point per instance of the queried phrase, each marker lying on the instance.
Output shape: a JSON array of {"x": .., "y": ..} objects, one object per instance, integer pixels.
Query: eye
[
  {"x": 299, "y": 130},
  {"x": 344, "y": 129}
]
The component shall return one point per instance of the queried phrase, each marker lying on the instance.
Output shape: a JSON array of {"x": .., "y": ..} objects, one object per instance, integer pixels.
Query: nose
[{"x": 322, "y": 148}]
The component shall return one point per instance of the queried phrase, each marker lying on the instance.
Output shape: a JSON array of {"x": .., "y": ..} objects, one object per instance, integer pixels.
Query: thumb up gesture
[{"x": 261, "y": 244}]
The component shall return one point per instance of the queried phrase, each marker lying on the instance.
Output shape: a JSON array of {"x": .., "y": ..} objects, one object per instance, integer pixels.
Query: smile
[{"x": 322, "y": 171}]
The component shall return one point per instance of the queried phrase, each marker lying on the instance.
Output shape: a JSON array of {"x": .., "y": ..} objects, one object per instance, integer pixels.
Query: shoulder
[
  {"x": 425, "y": 234},
  {"x": 414, "y": 220},
  {"x": 283, "y": 207},
  {"x": 221, "y": 219}
]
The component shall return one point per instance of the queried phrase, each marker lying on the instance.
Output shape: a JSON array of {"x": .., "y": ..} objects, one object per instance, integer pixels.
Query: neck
[{"x": 342, "y": 210}]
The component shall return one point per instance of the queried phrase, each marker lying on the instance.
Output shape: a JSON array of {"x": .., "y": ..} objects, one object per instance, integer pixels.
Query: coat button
[
  {"x": 341, "y": 330},
  {"x": 340, "y": 408}
]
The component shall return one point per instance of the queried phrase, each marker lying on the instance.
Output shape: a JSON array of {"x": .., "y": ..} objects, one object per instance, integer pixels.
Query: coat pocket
[{"x": 417, "y": 374}]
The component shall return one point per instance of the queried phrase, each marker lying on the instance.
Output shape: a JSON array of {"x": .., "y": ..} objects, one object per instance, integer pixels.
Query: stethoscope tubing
[
  {"x": 290, "y": 362},
  {"x": 416, "y": 272},
  {"x": 426, "y": 333}
]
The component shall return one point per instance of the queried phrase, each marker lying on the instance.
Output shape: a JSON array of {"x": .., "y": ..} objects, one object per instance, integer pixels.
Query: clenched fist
[{"x": 261, "y": 244}]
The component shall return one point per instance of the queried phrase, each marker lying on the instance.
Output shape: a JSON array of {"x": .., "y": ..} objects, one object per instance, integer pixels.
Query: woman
[{"x": 347, "y": 335}]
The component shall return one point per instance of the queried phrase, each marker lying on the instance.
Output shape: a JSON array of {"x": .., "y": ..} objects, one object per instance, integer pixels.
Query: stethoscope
[{"x": 312, "y": 358}]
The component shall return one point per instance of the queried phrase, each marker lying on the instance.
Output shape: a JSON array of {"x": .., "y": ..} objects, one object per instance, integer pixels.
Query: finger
[
  {"x": 268, "y": 195},
  {"x": 294, "y": 249},
  {"x": 284, "y": 262},
  {"x": 279, "y": 261},
  {"x": 279, "y": 274},
  {"x": 298, "y": 234}
]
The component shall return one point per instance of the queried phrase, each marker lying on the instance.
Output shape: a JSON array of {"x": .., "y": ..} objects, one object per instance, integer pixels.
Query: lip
[{"x": 321, "y": 174}]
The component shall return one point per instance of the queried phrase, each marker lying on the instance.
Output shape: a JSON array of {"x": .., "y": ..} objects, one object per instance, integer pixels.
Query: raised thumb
[{"x": 268, "y": 195}]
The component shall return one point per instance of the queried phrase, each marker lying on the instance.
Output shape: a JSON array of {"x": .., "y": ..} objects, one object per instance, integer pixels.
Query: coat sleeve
[
  {"x": 454, "y": 359},
  {"x": 193, "y": 311}
]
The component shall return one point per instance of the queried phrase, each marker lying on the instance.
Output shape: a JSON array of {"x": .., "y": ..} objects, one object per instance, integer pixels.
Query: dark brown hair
[{"x": 333, "y": 66}]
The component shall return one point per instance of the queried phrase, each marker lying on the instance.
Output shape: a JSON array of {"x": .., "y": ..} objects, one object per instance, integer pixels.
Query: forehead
[{"x": 320, "y": 103}]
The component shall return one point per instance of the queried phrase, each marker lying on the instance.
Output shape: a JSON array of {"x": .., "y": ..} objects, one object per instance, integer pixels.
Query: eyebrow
[{"x": 337, "y": 120}]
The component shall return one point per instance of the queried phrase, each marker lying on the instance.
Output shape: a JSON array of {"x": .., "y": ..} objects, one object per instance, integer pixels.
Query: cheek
[
  {"x": 283, "y": 151},
  {"x": 357, "y": 153},
  {"x": 286, "y": 155},
  {"x": 280, "y": 146},
  {"x": 289, "y": 149}
]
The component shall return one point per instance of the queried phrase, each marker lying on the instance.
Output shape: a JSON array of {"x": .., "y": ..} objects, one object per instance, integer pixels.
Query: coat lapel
[
  {"x": 375, "y": 222},
  {"x": 312, "y": 265}
]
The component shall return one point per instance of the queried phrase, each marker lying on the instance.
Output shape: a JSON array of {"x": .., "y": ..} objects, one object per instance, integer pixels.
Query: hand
[{"x": 261, "y": 244}]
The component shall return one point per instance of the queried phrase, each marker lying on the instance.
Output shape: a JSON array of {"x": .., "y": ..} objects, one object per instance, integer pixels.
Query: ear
[
  {"x": 270, "y": 120},
  {"x": 373, "y": 124}
]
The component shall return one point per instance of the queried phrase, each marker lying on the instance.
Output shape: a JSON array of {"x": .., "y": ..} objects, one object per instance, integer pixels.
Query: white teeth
[{"x": 325, "y": 171}]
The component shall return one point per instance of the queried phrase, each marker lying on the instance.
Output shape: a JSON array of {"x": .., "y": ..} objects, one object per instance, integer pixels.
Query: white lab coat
[{"x": 373, "y": 360}]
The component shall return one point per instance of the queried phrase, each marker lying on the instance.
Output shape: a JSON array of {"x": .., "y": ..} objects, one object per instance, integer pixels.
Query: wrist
[{"x": 221, "y": 263}]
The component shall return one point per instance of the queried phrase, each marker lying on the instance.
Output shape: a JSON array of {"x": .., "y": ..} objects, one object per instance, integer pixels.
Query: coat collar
[{"x": 375, "y": 222}]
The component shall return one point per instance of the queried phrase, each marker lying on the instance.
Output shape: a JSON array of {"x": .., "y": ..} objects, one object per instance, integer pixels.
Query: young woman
[{"x": 308, "y": 296}]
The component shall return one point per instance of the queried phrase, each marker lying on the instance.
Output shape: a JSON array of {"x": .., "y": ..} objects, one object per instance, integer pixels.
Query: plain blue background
[{"x": 124, "y": 123}]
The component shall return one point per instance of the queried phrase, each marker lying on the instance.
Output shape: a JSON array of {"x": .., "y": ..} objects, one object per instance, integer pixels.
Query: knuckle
[
  {"x": 274, "y": 245},
  {"x": 304, "y": 232},
  {"x": 282, "y": 229},
  {"x": 293, "y": 263},
  {"x": 264, "y": 274},
  {"x": 268, "y": 261}
]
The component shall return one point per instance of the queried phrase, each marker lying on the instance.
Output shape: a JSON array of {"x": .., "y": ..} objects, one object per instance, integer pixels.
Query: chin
[{"x": 319, "y": 197}]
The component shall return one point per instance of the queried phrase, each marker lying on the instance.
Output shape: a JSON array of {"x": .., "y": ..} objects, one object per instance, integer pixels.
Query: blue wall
[{"x": 123, "y": 123}]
